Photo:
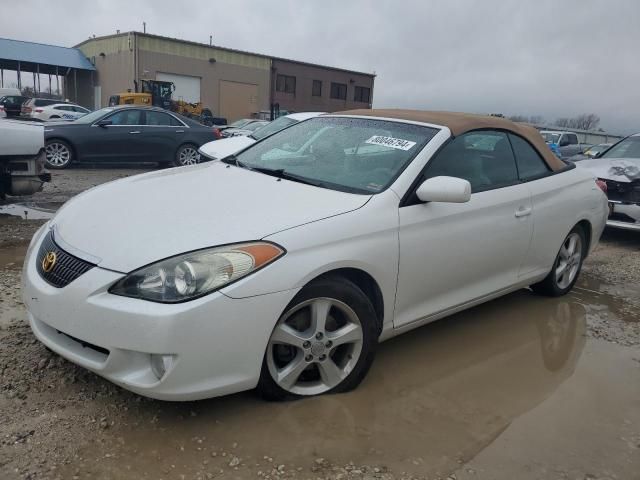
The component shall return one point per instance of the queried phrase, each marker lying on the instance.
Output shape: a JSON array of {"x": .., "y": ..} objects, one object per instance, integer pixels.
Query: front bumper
[
  {"x": 213, "y": 345},
  {"x": 624, "y": 215}
]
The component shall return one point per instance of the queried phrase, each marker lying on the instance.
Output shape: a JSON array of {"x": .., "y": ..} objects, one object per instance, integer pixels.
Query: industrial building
[{"x": 232, "y": 83}]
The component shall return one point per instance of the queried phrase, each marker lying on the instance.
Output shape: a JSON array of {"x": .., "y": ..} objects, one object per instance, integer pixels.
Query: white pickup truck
[
  {"x": 563, "y": 144},
  {"x": 22, "y": 158}
]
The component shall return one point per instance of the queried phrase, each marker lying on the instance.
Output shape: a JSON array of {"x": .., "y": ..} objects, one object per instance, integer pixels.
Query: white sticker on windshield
[{"x": 391, "y": 142}]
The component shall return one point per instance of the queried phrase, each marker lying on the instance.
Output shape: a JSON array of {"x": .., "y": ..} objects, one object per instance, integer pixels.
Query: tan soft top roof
[{"x": 460, "y": 123}]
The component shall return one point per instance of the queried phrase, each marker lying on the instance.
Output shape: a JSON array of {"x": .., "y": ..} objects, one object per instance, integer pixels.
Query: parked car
[
  {"x": 226, "y": 146},
  {"x": 283, "y": 266},
  {"x": 242, "y": 127},
  {"x": 12, "y": 105},
  {"x": 22, "y": 159},
  {"x": 565, "y": 144},
  {"x": 59, "y": 111},
  {"x": 29, "y": 107},
  {"x": 619, "y": 168},
  {"x": 126, "y": 134},
  {"x": 590, "y": 152}
]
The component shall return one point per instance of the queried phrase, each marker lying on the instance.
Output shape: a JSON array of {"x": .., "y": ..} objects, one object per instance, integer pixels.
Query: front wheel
[
  {"x": 566, "y": 268},
  {"x": 325, "y": 341},
  {"x": 187, "y": 155},
  {"x": 59, "y": 154}
]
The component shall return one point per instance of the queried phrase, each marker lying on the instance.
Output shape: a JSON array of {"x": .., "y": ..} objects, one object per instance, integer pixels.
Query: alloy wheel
[
  {"x": 314, "y": 346},
  {"x": 188, "y": 156},
  {"x": 569, "y": 260},
  {"x": 58, "y": 154}
]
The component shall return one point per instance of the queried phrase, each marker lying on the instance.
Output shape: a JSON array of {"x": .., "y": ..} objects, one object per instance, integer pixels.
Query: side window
[
  {"x": 482, "y": 157},
  {"x": 175, "y": 122},
  {"x": 60, "y": 107},
  {"x": 573, "y": 139},
  {"x": 158, "y": 118},
  {"x": 126, "y": 117},
  {"x": 530, "y": 163}
]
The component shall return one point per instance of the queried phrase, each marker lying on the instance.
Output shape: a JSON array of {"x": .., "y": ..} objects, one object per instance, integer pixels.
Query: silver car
[{"x": 619, "y": 168}]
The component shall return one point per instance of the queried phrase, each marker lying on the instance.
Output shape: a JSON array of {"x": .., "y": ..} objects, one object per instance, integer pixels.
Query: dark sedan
[{"x": 126, "y": 134}]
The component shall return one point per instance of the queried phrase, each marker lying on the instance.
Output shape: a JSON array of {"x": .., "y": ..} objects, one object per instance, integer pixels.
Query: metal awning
[{"x": 40, "y": 58}]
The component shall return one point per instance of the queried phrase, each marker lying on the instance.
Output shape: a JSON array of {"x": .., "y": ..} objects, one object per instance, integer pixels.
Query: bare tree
[
  {"x": 586, "y": 121},
  {"x": 518, "y": 118}
]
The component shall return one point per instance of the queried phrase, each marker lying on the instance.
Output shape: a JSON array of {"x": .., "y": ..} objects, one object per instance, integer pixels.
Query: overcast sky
[{"x": 530, "y": 57}]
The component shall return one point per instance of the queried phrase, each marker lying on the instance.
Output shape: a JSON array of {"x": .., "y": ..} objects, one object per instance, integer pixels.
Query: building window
[
  {"x": 339, "y": 91},
  {"x": 285, "y": 83},
  {"x": 362, "y": 94},
  {"x": 316, "y": 90}
]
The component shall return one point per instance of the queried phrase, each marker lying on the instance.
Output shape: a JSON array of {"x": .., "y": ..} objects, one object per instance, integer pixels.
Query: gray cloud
[{"x": 540, "y": 57}]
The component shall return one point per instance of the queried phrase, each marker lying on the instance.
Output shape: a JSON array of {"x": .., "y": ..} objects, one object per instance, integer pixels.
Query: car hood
[
  {"x": 126, "y": 224},
  {"x": 616, "y": 169},
  {"x": 222, "y": 148}
]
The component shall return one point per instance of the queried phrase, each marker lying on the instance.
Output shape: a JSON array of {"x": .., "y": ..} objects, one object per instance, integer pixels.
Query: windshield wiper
[
  {"x": 233, "y": 160},
  {"x": 274, "y": 172},
  {"x": 282, "y": 173}
]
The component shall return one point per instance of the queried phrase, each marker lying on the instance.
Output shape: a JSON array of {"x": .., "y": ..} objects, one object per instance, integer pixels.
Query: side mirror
[
  {"x": 444, "y": 189},
  {"x": 104, "y": 123}
]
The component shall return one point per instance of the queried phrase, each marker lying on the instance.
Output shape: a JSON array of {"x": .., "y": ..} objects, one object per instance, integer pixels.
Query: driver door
[
  {"x": 454, "y": 253},
  {"x": 120, "y": 141}
]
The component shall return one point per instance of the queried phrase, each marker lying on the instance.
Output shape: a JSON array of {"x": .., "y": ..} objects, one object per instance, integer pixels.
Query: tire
[
  {"x": 570, "y": 256},
  {"x": 187, "y": 154},
  {"x": 59, "y": 154},
  {"x": 330, "y": 355}
]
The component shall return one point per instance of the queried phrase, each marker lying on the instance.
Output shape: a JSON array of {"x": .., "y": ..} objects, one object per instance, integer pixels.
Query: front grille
[
  {"x": 66, "y": 267},
  {"x": 628, "y": 192}
]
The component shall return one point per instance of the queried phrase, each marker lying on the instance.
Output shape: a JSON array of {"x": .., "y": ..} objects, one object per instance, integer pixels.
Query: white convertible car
[{"x": 284, "y": 266}]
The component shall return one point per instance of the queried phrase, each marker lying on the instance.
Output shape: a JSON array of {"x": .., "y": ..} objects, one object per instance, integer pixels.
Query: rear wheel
[
  {"x": 187, "y": 155},
  {"x": 566, "y": 268},
  {"x": 325, "y": 341},
  {"x": 59, "y": 153}
]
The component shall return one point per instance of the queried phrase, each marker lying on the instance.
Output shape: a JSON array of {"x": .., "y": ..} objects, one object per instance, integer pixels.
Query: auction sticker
[{"x": 397, "y": 143}]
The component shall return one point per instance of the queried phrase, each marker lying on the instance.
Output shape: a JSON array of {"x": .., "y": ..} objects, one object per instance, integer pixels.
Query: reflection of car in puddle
[
  {"x": 30, "y": 211},
  {"x": 450, "y": 388},
  {"x": 439, "y": 394}
]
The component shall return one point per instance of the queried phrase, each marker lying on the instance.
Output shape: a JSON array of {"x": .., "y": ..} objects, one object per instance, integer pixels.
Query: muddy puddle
[
  {"x": 31, "y": 211},
  {"x": 513, "y": 385},
  {"x": 11, "y": 258}
]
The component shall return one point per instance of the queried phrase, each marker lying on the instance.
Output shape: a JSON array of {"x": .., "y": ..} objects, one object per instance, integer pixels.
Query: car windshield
[
  {"x": 252, "y": 127},
  {"x": 93, "y": 116},
  {"x": 239, "y": 123},
  {"x": 627, "y": 148},
  {"x": 273, "y": 127},
  {"x": 356, "y": 155},
  {"x": 550, "y": 137}
]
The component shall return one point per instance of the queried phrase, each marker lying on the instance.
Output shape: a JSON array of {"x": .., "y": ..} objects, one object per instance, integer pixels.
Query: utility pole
[{"x": 144, "y": 27}]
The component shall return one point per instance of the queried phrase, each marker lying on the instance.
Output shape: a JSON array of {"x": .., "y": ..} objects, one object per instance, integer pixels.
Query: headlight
[{"x": 191, "y": 275}]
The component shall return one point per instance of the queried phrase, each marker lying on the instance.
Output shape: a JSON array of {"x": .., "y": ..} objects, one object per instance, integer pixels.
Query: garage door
[
  {"x": 187, "y": 87},
  {"x": 237, "y": 100}
]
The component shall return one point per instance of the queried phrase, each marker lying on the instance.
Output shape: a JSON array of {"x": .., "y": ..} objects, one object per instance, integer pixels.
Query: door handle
[
  {"x": 179, "y": 131},
  {"x": 135, "y": 132},
  {"x": 523, "y": 212}
]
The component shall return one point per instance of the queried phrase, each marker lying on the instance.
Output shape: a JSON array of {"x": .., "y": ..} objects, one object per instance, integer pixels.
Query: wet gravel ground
[{"x": 444, "y": 403}]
